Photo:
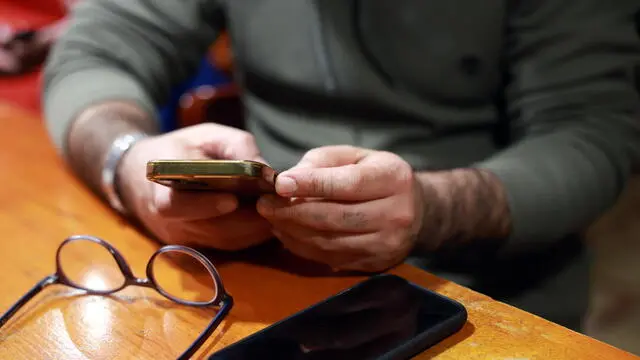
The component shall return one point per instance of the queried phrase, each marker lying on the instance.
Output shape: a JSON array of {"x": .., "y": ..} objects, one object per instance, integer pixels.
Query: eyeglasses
[{"x": 111, "y": 273}]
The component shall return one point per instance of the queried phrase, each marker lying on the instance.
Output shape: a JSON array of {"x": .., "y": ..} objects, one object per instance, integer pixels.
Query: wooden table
[{"x": 41, "y": 204}]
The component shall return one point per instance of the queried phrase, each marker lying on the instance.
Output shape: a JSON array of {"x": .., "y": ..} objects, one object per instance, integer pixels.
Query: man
[{"x": 477, "y": 135}]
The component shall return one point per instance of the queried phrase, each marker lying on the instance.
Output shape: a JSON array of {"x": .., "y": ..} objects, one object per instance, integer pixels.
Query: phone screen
[{"x": 368, "y": 321}]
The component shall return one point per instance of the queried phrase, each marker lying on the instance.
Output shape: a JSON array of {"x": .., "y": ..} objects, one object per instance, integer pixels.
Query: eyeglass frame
[{"x": 223, "y": 300}]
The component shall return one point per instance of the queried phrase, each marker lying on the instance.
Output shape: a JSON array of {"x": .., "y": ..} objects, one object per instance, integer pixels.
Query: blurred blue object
[{"x": 207, "y": 74}]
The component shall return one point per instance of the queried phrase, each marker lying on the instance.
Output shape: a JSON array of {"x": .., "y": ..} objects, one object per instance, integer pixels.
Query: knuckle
[
  {"x": 239, "y": 145},
  {"x": 173, "y": 233},
  {"x": 319, "y": 153},
  {"x": 403, "y": 216},
  {"x": 319, "y": 243},
  {"x": 314, "y": 154},
  {"x": 394, "y": 168},
  {"x": 163, "y": 210},
  {"x": 196, "y": 129},
  {"x": 387, "y": 159},
  {"x": 351, "y": 181},
  {"x": 245, "y": 140},
  {"x": 162, "y": 207},
  {"x": 403, "y": 174},
  {"x": 387, "y": 245},
  {"x": 344, "y": 148}
]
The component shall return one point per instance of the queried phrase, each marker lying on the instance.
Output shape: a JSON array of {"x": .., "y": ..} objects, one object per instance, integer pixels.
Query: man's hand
[
  {"x": 351, "y": 208},
  {"x": 205, "y": 219}
]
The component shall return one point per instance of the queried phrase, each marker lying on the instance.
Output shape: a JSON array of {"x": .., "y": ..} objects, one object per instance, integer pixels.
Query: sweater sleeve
[
  {"x": 130, "y": 50},
  {"x": 574, "y": 97}
]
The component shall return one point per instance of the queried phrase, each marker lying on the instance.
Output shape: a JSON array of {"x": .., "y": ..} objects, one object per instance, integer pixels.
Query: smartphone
[
  {"x": 242, "y": 177},
  {"x": 384, "y": 317}
]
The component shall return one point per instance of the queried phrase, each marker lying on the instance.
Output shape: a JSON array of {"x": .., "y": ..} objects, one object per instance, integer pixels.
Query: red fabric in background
[{"x": 24, "y": 90}]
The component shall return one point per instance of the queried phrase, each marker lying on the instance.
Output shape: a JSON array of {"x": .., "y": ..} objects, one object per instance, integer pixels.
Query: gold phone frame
[{"x": 243, "y": 177}]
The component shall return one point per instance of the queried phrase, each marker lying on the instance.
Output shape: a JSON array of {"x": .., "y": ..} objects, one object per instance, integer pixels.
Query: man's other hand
[{"x": 348, "y": 207}]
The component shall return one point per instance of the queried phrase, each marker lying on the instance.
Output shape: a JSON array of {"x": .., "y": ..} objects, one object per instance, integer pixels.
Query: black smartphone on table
[{"x": 383, "y": 317}]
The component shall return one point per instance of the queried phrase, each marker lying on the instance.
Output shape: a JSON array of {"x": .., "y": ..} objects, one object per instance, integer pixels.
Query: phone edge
[{"x": 200, "y": 168}]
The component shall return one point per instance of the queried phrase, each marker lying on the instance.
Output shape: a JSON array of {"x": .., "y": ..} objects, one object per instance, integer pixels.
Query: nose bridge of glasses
[{"x": 141, "y": 282}]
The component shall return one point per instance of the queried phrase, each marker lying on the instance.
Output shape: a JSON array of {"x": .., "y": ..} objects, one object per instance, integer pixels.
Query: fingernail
[
  {"x": 226, "y": 206},
  {"x": 285, "y": 185}
]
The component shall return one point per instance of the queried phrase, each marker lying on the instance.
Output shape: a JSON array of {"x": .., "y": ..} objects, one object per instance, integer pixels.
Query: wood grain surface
[{"x": 41, "y": 204}]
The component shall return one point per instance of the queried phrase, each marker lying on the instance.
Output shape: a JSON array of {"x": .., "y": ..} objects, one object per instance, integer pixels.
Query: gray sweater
[
  {"x": 433, "y": 81},
  {"x": 436, "y": 66}
]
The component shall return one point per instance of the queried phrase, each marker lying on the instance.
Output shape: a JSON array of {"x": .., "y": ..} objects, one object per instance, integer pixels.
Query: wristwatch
[{"x": 118, "y": 149}]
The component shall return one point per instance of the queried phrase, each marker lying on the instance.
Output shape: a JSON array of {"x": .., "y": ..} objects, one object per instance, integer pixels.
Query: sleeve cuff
[
  {"x": 527, "y": 221},
  {"x": 66, "y": 98},
  {"x": 554, "y": 185}
]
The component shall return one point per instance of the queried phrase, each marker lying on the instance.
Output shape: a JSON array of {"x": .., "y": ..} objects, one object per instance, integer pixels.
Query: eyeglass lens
[
  {"x": 183, "y": 277},
  {"x": 90, "y": 265}
]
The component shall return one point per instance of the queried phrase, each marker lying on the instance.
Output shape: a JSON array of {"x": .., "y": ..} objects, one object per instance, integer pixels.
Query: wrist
[
  {"x": 462, "y": 205},
  {"x": 92, "y": 135},
  {"x": 111, "y": 170},
  {"x": 131, "y": 180}
]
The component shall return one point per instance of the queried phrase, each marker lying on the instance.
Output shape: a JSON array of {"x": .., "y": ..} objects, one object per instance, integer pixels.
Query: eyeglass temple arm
[
  {"x": 51, "y": 279},
  {"x": 227, "y": 304}
]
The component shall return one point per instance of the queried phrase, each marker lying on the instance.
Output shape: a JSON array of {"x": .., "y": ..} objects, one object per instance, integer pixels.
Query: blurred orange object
[{"x": 24, "y": 90}]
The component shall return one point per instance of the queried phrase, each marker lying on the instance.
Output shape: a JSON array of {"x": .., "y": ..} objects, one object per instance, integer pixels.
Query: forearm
[
  {"x": 558, "y": 183},
  {"x": 534, "y": 193},
  {"x": 94, "y": 131},
  {"x": 462, "y": 205}
]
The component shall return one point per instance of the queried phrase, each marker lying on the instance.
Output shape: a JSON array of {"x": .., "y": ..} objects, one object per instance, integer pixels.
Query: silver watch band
[{"x": 118, "y": 149}]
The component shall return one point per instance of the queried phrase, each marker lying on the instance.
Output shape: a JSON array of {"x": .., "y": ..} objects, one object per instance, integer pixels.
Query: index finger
[{"x": 365, "y": 181}]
